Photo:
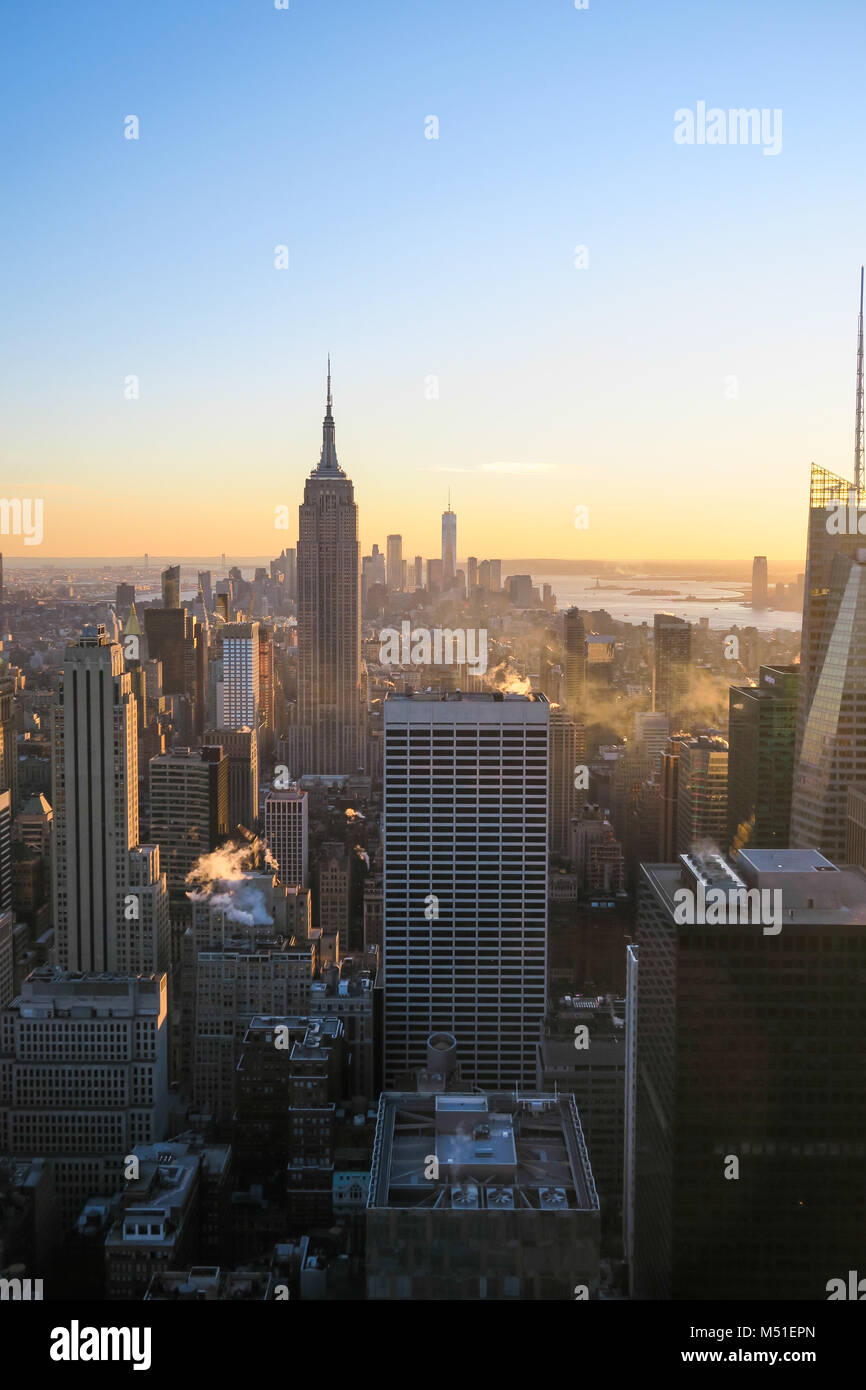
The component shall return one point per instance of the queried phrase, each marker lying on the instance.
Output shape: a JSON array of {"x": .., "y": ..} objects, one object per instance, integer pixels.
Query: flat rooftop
[
  {"x": 815, "y": 892},
  {"x": 432, "y": 697},
  {"x": 495, "y": 1151}
]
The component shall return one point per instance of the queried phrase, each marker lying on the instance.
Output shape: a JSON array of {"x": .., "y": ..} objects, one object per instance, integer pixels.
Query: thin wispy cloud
[{"x": 516, "y": 468}]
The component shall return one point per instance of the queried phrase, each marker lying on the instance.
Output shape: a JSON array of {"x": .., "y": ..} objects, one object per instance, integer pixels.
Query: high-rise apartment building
[
  {"x": 239, "y": 688},
  {"x": 287, "y": 833},
  {"x": 465, "y": 910},
  {"x": 762, "y": 725},
  {"x": 750, "y": 1136},
  {"x": 671, "y": 656},
  {"x": 329, "y": 733},
  {"x": 449, "y": 547},
  {"x": 702, "y": 793}
]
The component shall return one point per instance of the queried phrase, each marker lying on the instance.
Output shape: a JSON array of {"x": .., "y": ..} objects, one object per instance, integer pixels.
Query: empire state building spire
[
  {"x": 328, "y": 465},
  {"x": 329, "y": 733}
]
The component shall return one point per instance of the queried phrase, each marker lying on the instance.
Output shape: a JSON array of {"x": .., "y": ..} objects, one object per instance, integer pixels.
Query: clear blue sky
[{"x": 412, "y": 257}]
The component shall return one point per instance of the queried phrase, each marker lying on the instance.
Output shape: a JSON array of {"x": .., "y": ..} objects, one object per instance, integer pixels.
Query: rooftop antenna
[{"x": 858, "y": 427}]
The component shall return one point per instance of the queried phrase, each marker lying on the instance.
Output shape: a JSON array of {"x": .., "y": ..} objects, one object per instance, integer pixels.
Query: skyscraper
[
  {"x": 825, "y": 540},
  {"x": 171, "y": 640},
  {"x": 241, "y": 747},
  {"x": 240, "y": 676},
  {"x": 330, "y": 727},
  {"x": 465, "y": 912},
  {"x": 750, "y": 1164},
  {"x": 449, "y": 546},
  {"x": 702, "y": 793},
  {"x": 171, "y": 587},
  {"x": 651, "y": 732},
  {"x": 762, "y": 721},
  {"x": 286, "y": 831},
  {"x": 567, "y": 749},
  {"x": 394, "y": 563},
  {"x": 759, "y": 581},
  {"x": 124, "y": 598},
  {"x": 672, "y": 651},
  {"x": 97, "y": 907},
  {"x": 575, "y": 661},
  {"x": 189, "y": 807},
  {"x": 833, "y": 748}
]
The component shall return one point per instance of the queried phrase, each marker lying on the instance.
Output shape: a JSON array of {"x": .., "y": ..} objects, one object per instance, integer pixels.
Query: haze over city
[{"x": 432, "y": 680}]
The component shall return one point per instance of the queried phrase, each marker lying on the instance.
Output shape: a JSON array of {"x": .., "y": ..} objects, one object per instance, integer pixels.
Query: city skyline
[{"x": 384, "y": 918}]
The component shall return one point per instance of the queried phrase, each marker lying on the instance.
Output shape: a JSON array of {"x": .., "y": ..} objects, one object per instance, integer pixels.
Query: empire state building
[{"x": 329, "y": 733}]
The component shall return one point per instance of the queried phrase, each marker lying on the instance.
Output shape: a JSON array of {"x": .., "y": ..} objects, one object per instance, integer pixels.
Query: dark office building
[
  {"x": 241, "y": 748},
  {"x": 762, "y": 726},
  {"x": 171, "y": 587},
  {"x": 170, "y": 639},
  {"x": 671, "y": 655},
  {"x": 575, "y": 661},
  {"x": 189, "y": 807},
  {"x": 750, "y": 1159},
  {"x": 124, "y": 598}
]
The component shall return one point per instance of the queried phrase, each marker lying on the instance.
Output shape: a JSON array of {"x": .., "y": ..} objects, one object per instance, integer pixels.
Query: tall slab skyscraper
[
  {"x": 110, "y": 899},
  {"x": 465, "y": 895},
  {"x": 329, "y": 733}
]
